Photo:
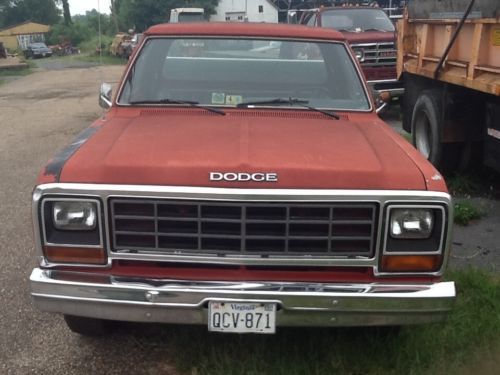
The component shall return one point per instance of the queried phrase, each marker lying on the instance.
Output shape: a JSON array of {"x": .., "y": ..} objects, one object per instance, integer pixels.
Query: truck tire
[
  {"x": 425, "y": 126},
  {"x": 88, "y": 326}
]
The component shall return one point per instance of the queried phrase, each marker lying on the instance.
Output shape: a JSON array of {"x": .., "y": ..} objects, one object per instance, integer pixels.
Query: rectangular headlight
[
  {"x": 74, "y": 215},
  {"x": 411, "y": 222},
  {"x": 415, "y": 229},
  {"x": 71, "y": 221}
]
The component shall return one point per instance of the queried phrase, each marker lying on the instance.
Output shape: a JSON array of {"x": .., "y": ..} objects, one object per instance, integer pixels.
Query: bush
[
  {"x": 75, "y": 34},
  {"x": 465, "y": 212},
  {"x": 92, "y": 45}
]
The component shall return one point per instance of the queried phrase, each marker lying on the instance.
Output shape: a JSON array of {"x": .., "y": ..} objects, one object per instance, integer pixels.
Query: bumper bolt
[{"x": 152, "y": 295}]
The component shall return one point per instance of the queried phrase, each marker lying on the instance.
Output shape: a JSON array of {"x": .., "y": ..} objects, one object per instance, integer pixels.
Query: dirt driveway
[{"x": 38, "y": 115}]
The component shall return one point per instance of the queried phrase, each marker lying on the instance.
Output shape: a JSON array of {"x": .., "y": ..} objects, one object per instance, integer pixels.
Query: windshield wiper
[
  {"x": 375, "y": 29},
  {"x": 290, "y": 101},
  {"x": 184, "y": 102}
]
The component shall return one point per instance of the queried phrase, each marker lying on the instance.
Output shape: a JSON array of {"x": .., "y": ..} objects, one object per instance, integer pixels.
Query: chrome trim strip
[
  {"x": 147, "y": 300},
  {"x": 384, "y": 197}
]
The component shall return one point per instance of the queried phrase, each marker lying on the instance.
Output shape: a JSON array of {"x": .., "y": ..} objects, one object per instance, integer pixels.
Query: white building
[{"x": 241, "y": 10}]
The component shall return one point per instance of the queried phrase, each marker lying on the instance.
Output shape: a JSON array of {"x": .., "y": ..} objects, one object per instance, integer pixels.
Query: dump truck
[{"x": 449, "y": 60}]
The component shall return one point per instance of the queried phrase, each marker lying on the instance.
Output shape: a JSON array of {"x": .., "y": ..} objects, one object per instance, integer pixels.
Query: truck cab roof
[{"x": 245, "y": 29}]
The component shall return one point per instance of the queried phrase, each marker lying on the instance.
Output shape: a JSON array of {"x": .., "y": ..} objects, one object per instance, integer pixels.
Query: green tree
[
  {"x": 18, "y": 11},
  {"x": 66, "y": 12}
]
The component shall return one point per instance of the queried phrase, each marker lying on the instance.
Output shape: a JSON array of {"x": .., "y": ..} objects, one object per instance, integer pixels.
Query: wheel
[
  {"x": 88, "y": 326},
  {"x": 425, "y": 128},
  {"x": 426, "y": 133}
]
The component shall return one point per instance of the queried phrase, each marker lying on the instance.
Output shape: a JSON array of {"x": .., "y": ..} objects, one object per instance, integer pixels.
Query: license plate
[{"x": 242, "y": 317}]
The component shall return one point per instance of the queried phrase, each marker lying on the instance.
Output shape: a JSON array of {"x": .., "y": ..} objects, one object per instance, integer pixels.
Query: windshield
[
  {"x": 357, "y": 20},
  {"x": 191, "y": 17},
  {"x": 38, "y": 45},
  {"x": 228, "y": 72}
]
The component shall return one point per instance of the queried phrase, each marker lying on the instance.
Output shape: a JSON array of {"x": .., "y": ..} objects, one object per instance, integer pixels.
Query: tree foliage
[
  {"x": 125, "y": 15},
  {"x": 19, "y": 11}
]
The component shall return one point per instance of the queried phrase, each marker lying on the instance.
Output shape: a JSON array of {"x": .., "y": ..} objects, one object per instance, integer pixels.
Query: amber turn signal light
[
  {"x": 411, "y": 263},
  {"x": 80, "y": 255}
]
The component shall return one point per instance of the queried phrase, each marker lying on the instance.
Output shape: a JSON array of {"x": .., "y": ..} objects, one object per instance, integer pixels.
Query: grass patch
[
  {"x": 407, "y": 136},
  {"x": 91, "y": 58},
  {"x": 463, "y": 184},
  {"x": 465, "y": 212},
  {"x": 104, "y": 60},
  {"x": 473, "y": 326},
  {"x": 15, "y": 72}
]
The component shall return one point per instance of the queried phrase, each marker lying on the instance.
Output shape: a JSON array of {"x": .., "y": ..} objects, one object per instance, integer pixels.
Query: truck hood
[
  {"x": 305, "y": 150},
  {"x": 369, "y": 37}
]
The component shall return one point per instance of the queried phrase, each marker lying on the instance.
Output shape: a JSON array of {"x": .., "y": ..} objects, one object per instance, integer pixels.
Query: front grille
[
  {"x": 251, "y": 229},
  {"x": 377, "y": 54}
]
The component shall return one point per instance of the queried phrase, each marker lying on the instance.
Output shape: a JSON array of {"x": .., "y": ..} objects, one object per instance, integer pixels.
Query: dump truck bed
[{"x": 474, "y": 59}]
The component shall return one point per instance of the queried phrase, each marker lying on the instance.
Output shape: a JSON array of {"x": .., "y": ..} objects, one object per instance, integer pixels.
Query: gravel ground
[{"x": 40, "y": 113}]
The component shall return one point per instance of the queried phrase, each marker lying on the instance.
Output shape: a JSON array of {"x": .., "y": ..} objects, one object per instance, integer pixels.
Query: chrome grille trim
[
  {"x": 377, "y": 54},
  {"x": 105, "y": 192},
  {"x": 242, "y": 228}
]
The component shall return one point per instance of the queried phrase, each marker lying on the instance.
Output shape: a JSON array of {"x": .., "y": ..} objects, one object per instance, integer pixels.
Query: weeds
[
  {"x": 465, "y": 212},
  {"x": 472, "y": 326},
  {"x": 463, "y": 185}
]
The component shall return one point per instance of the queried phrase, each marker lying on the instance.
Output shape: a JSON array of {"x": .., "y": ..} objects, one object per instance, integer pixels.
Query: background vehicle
[
  {"x": 371, "y": 35},
  {"x": 35, "y": 50},
  {"x": 124, "y": 43},
  {"x": 187, "y": 15},
  {"x": 449, "y": 60}
]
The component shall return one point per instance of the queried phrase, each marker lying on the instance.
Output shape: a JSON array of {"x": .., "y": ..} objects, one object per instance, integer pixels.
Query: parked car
[
  {"x": 245, "y": 189},
  {"x": 371, "y": 35},
  {"x": 35, "y": 50}
]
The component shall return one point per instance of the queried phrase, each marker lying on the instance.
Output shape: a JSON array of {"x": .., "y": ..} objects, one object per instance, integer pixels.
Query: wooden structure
[
  {"x": 19, "y": 36},
  {"x": 449, "y": 60},
  {"x": 473, "y": 60}
]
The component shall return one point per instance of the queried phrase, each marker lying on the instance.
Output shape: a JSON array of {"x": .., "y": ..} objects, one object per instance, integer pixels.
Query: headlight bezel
[
  {"x": 53, "y": 236},
  {"x": 416, "y": 246}
]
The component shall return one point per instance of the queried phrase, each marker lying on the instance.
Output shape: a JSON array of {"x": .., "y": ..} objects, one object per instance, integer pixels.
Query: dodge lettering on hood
[{"x": 241, "y": 179}]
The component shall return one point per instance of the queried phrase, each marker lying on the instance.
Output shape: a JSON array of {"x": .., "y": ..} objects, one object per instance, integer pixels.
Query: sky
[{"x": 81, "y": 6}]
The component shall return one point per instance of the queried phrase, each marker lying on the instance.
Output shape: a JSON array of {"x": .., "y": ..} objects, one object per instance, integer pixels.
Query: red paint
[
  {"x": 249, "y": 29},
  {"x": 182, "y": 149},
  {"x": 241, "y": 273}
]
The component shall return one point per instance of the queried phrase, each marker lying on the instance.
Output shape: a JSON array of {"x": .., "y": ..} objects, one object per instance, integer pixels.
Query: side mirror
[
  {"x": 382, "y": 99},
  {"x": 105, "y": 95}
]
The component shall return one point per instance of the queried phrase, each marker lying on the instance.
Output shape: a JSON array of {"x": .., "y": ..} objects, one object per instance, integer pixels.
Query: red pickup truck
[
  {"x": 371, "y": 35},
  {"x": 241, "y": 179}
]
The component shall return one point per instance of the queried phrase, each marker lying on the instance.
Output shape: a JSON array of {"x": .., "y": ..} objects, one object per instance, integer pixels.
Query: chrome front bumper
[
  {"x": 185, "y": 302},
  {"x": 393, "y": 86}
]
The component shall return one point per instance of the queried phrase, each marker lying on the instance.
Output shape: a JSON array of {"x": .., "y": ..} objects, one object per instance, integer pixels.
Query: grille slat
[
  {"x": 377, "y": 54},
  {"x": 242, "y": 228}
]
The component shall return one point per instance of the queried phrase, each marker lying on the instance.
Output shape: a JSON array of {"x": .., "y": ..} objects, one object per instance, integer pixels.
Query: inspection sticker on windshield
[
  {"x": 234, "y": 99},
  {"x": 242, "y": 317},
  {"x": 218, "y": 98}
]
